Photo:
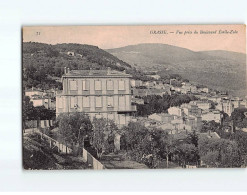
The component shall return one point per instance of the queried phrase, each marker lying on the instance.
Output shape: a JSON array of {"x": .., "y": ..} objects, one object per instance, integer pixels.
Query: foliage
[
  {"x": 209, "y": 126},
  {"x": 41, "y": 62},
  {"x": 29, "y": 112},
  {"x": 219, "y": 152},
  {"x": 187, "y": 154},
  {"x": 103, "y": 135},
  {"x": 239, "y": 118},
  {"x": 27, "y": 108},
  {"x": 158, "y": 104},
  {"x": 74, "y": 127}
]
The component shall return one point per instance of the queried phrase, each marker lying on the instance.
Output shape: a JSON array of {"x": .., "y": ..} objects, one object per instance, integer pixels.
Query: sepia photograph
[{"x": 134, "y": 97}]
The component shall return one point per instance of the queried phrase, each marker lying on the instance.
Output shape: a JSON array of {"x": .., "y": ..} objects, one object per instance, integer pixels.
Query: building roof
[
  {"x": 95, "y": 73},
  {"x": 210, "y": 135}
]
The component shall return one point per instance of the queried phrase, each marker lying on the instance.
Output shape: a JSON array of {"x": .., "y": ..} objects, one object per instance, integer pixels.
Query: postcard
[{"x": 134, "y": 97}]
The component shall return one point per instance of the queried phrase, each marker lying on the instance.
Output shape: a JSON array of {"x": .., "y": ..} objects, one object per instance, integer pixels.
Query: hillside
[
  {"x": 221, "y": 70},
  {"x": 238, "y": 57},
  {"x": 43, "y": 63}
]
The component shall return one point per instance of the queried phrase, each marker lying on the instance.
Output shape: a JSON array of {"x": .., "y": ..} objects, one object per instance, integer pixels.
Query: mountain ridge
[{"x": 221, "y": 70}]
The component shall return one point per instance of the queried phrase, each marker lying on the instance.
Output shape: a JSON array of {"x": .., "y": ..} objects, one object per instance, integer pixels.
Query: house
[
  {"x": 211, "y": 116},
  {"x": 33, "y": 91},
  {"x": 162, "y": 117},
  {"x": 175, "y": 111},
  {"x": 204, "y": 105},
  {"x": 156, "y": 77},
  {"x": 226, "y": 106},
  {"x": 137, "y": 100},
  {"x": 135, "y": 83},
  {"x": 191, "y": 109},
  {"x": 98, "y": 93},
  {"x": 194, "y": 121},
  {"x": 71, "y": 53},
  {"x": 42, "y": 101},
  {"x": 203, "y": 89},
  {"x": 236, "y": 102},
  {"x": 187, "y": 87}
]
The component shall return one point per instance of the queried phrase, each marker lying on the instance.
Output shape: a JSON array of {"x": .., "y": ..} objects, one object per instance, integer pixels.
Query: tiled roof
[{"x": 96, "y": 73}]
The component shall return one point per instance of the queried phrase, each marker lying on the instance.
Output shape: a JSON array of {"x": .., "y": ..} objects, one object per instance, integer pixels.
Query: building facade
[{"x": 98, "y": 93}]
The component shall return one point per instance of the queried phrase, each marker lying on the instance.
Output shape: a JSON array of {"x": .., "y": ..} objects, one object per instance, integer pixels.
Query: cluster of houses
[
  {"x": 40, "y": 97},
  {"x": 186, "y": 117},
  {"x": 112, "y": 94}
]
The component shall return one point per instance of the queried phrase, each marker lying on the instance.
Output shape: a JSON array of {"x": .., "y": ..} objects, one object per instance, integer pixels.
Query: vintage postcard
[{"x": 134, "y": 97}]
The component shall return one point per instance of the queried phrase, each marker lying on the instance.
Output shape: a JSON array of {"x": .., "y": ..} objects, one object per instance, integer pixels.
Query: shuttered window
[
  {"x": 85, "y": 85},
  {"x": 73, "y": 85},
  {"x": 73, "y": 102},
  {"x": 97, "y": 85},
  {"x": 109, "y": 85},
  {"x": 110, "y": 101},
  {"x": 98, "y": 102},
  {"x": 121, "y": 85},
  {"x": 121, "y": 102},
  {"x": 85, "y": 102}
]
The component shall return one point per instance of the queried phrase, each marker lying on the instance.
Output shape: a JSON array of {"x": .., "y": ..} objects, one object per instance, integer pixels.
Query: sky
[{"x": 107, "y": 37}]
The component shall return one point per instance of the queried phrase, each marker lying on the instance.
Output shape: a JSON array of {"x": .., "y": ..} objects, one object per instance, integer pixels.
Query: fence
[
  {"x": 38, "y": 123},
  {"x": 54, "y": 143},
  {"x": 87, "y": 157}
]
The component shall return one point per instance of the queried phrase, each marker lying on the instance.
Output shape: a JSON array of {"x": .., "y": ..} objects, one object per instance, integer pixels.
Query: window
[
  {"x": 60, "y": 103},
  {"x": 85, "y": 102},
  {"x": 121, "y": 85},
  {"x": 110, "y": 101},
  {"x": 121, "y": 119},
  {"x": 73, "y": 102},
  {"x": 109, "y": 85},
  {"x": 121, "y": 102},
  {"x": 85, "y": 85},
  {"x": 110, "y": 116},
  {"x": 97, "y": 85},
  {"x": 73, "y": 85},
  {"x": 98, "y": 116},
  {"x": 98, "y": 101}
]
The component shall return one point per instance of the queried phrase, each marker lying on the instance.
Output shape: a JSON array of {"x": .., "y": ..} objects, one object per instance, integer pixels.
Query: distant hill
[
  {"x": 238, "y": 57},
  {"x": 221, "y": 70}
]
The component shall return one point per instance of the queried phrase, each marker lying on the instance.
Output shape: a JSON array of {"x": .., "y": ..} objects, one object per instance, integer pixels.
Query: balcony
[{"x": 122, "y": 111}]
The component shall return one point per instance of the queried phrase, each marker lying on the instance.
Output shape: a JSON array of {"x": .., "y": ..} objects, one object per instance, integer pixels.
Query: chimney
[
  {"x": 68, "y": 70},
  {"x": 108, "y": 70},
  {"x": 90, "y": 71},
  {"x": 124, "y": 71},
  {"x": 65, "y": 70}
]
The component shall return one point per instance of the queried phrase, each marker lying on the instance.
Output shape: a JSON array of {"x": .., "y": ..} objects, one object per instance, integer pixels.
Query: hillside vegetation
[{"x": 43, "y": 64}]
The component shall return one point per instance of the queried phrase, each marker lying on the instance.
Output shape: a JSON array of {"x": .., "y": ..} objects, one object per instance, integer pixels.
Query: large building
[{"x": 98, "y": 93}]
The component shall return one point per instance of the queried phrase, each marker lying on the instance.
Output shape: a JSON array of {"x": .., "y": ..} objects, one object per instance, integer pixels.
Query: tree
[
  {"x": 239, "y": 118},
  {"x": 103, "y": 135},
  {"x": 168, "y": 146},
  {"x": 210, "y": 126},
  {"x": 188, "y": 153},
  {"x": 133, "y": 134},
  {"x": 27, "y": 109},
  {"x": 74, "y": 127},
  {"x": 220, "y": 152}
]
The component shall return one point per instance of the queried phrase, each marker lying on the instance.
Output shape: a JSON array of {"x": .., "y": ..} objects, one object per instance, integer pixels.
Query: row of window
[
  {"x": 73, "y": 85},
  {"x": 98, "y": 102}
]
